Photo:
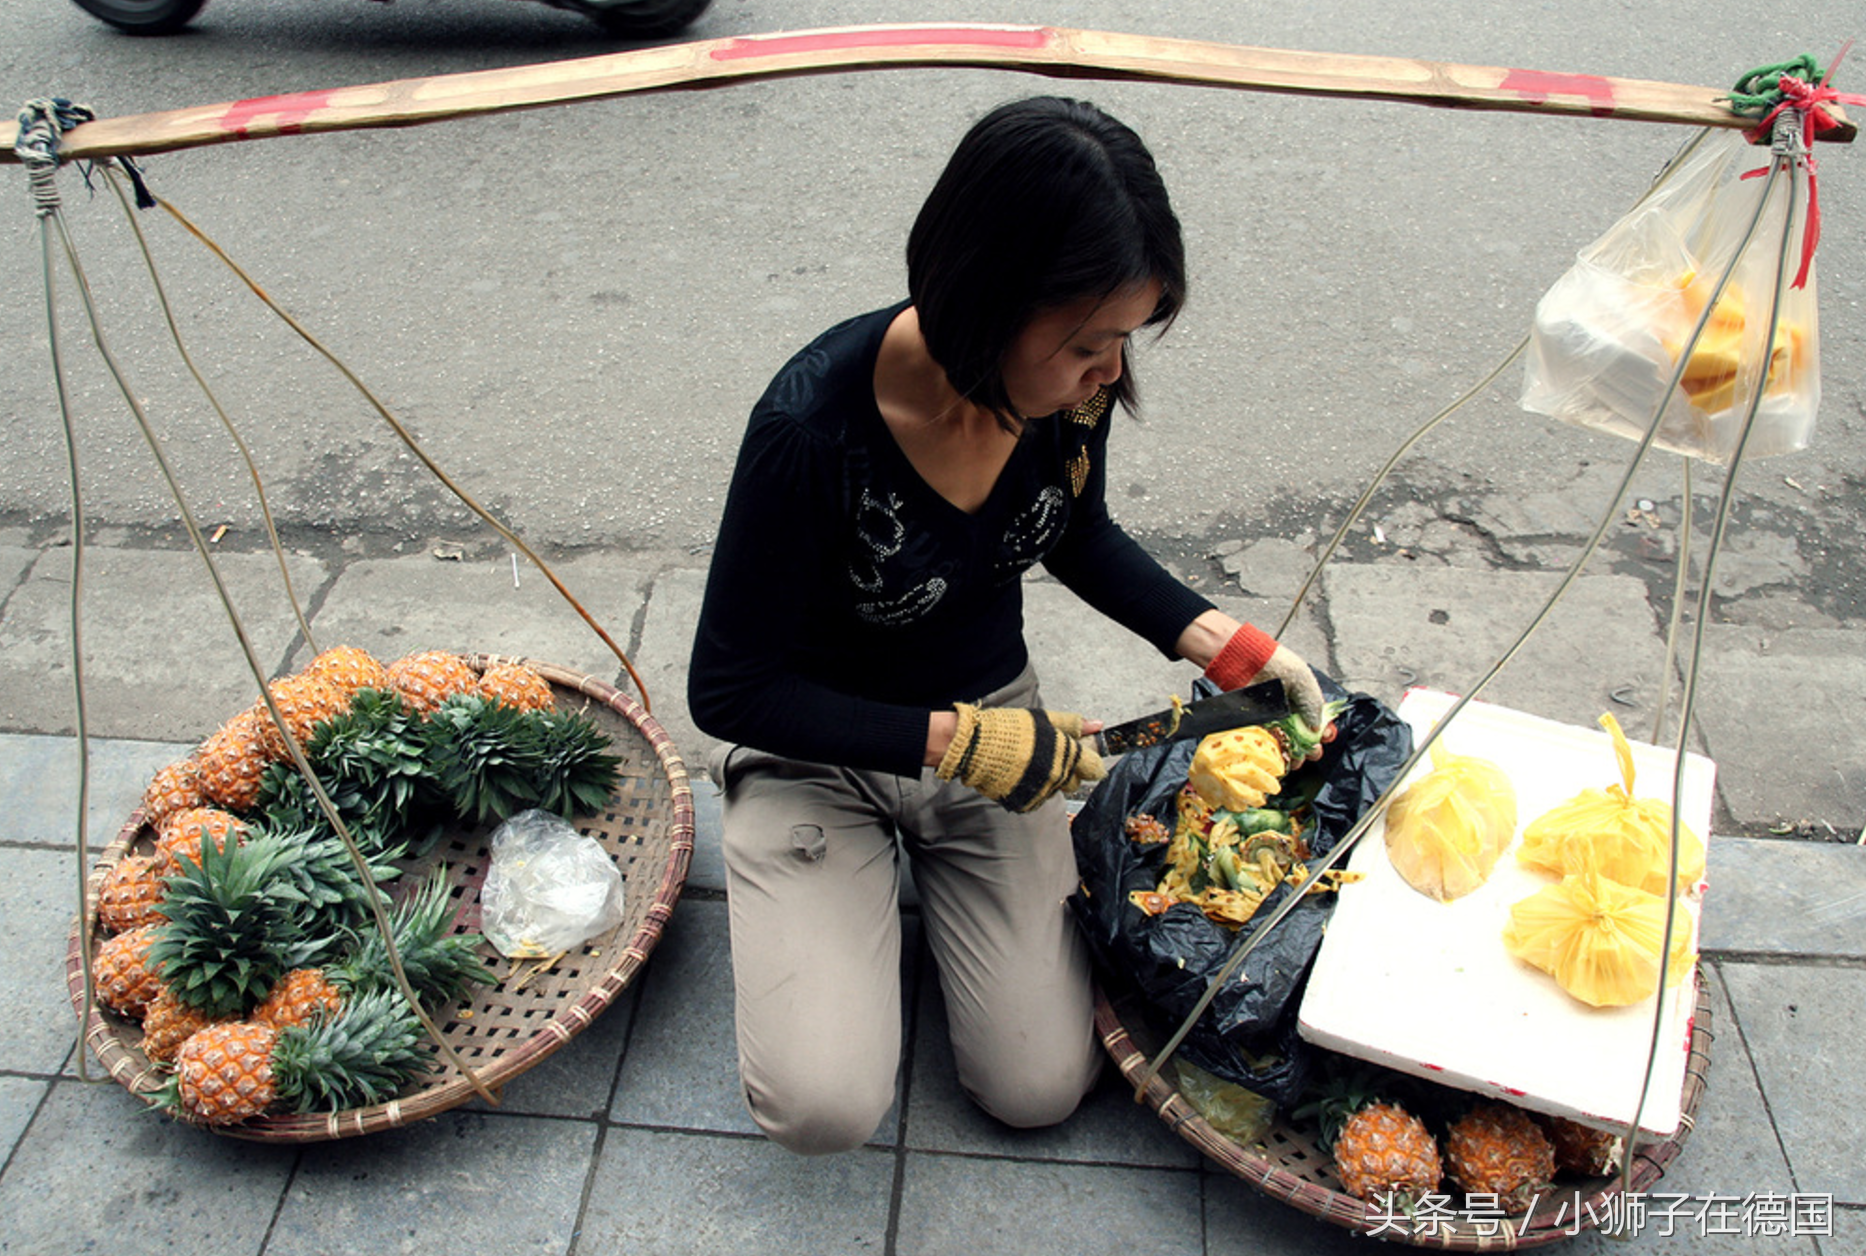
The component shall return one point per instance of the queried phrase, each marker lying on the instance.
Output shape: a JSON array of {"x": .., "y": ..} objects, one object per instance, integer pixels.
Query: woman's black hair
[{"x": 1046, "y": 201}]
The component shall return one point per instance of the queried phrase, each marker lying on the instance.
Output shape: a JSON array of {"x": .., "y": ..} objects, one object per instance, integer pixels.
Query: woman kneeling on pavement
[{"x": 861, "y": 652}]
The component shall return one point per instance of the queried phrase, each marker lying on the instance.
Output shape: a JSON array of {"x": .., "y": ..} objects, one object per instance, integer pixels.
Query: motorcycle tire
[
  {"x": 641, "y": 19},
  {"x": 143, "y": 17}
]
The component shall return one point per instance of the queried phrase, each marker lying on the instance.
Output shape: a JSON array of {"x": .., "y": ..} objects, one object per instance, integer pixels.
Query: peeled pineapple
[
  {"x": 1238, "y": 769},
  {"x": 1600, "y": 940},
  {"x": 1728, "y": 350},
  {"x": 1613, "y": 834},
  {"x": 1446, "y": 830}
]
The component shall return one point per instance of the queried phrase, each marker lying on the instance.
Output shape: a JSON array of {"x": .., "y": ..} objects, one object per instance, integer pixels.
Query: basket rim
[
  {"x": 1268, "y": 1175},
  {"x": 128, "y": 1066}
]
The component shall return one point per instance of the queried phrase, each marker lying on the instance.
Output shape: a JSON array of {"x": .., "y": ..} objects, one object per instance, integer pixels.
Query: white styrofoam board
[{"x": 1427, "y": 988}]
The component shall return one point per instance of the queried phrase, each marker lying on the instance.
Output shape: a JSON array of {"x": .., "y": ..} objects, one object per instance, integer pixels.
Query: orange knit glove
[{"x": 1253, "y": 655}]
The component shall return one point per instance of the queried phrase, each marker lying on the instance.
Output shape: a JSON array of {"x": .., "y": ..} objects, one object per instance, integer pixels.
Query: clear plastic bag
[
  {"x": 1608, "y": 335},
  {"x": 548, "y": 889},
  {"x": 1241, "y": 1115}
]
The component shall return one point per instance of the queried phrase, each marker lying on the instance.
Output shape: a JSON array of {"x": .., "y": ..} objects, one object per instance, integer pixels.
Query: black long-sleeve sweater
[{"x": 847, "y": 599}]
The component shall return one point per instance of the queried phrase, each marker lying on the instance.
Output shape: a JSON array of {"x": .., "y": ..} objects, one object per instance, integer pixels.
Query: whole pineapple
[
  {"x": 173, "y": 788},
  {"x": 430, "y": 677},
  {"x": 130, "y": 895},
  {"x": 304, "y": 701},
  {"x": 124, "y": 979},
  {"x": 1382, "y": 1152},
  {"x": 1496, "y": 1149},
  {"x": 1581, "y": 1148},
  {"x": 516, "y": 685},
  {"x": 167, "y": 1023},
  {"x": 231, "y": 761},
  {"x": 347, "y": 669},
  {"x": 371, "y": 765},
  {"x": 180, "y": 836},
  {"x": 236, "y": 1070}
]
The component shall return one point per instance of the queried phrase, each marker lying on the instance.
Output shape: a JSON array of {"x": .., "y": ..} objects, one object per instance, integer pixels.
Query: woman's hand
[{"x": 1236, "y": 654}]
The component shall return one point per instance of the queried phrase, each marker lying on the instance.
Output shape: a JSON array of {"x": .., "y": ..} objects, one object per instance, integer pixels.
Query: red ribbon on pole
[{"x": 1808, "y": 98}]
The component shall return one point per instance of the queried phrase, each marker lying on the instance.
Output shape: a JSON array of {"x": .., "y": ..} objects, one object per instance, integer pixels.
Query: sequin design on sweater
[{"x": 880, "y": 536}]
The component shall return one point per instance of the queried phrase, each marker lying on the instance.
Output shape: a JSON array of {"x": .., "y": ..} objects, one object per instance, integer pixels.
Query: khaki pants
[{"x": 813, "y": 877}]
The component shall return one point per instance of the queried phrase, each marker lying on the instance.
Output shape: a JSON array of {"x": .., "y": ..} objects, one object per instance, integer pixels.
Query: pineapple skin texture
[
  {"x": 1385, "y": 1150},
  {"x": 224, "y": 1072},
  {"x": 1495, "y": 1149}
]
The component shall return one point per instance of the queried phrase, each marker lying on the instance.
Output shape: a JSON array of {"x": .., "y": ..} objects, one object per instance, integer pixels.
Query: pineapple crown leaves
[
  {"x": 234, "y": 926},
  {"x": 485, "y": 756},
  {"x": 579, "y": 773},
  {"x": 440, "y": 966},
  {"x": 372, "y": 763},
  {"x": 364, "y": 1053},
  {"x": 1344, "y": 1086},
  {"x": 333, "y": 895}
]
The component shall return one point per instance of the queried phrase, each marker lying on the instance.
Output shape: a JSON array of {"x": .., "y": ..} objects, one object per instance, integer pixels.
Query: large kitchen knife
[{"x": 1235, "y": 708}]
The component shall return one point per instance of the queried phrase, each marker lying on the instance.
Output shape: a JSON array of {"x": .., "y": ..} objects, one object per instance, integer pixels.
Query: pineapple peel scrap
[
  {"x": 1614, "y": 834},
  {"x": 1445, "y": 831}
]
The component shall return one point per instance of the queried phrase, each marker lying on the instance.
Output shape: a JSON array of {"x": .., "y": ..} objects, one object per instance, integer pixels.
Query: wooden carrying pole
[{"x": 1035, "y": 49}]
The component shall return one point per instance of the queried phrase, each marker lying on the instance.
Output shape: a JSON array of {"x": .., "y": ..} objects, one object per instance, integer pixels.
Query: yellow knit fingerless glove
[{"x": 1017, "y": 756}]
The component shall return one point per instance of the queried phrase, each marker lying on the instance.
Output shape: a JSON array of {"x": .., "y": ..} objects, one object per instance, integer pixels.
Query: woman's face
[{"x": 1066, "y": 354}]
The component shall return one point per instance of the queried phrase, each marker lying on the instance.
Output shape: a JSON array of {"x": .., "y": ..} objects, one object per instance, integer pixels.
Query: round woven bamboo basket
[
  {"x": 647, "y": 828},
  {"x": 1289, "y": 1165}
]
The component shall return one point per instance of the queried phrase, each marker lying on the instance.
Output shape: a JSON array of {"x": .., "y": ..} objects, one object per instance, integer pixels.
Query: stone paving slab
[
  {"x": 1046, "y": 1207},
  {"x": 19, "y": 1099},
  {"x": 15, "y": 562},
  {"x": 39, "y": 780},
  {"x": 38, "y": 901},
  {"x": 1108, "y": 1127},
  {"x": 666, "y": 644},
  {"x": 686, "y": 1015},
  {"x": 96, "y": 1173},
  {"x": 161, "y": 660},
  {"x": 393, "y": 607},
  {"x": 1785, "y": 897},
  {"x": 462, "y": 1182},
  {"x": 1800, "y": 1028},
  {"x": 682, "y": 1066},
  {"x": 670, "y": 1193},
  {"x": 1783, "y": 715},
  {"x": 1397, "y": 624}
]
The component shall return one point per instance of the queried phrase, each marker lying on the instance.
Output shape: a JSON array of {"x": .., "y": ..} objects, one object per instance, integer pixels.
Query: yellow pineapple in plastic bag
[
  {"x": 1612, "y": 833},
  {"x": 1600, "y": 940},
  {"x": 1446, "y": 830}
]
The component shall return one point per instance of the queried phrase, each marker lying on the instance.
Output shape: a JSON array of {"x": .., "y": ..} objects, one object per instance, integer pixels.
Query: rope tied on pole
[
  {"x": 1789, "y": 98},
  {"x": 41, "y": 122}
]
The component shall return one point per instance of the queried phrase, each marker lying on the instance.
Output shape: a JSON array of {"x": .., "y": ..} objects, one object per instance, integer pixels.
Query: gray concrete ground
[{"x": 632, "y": 1137}]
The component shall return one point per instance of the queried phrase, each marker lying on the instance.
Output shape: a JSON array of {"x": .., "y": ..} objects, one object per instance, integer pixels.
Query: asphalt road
[{"x": 574, "y": 307}]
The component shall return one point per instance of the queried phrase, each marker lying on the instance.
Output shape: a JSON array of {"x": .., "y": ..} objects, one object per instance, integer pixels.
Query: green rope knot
[{"x": 1760, "y": 91}]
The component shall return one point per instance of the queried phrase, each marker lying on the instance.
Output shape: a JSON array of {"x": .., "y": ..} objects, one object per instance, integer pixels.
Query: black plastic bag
[{"x": 1248, "y": 1034}]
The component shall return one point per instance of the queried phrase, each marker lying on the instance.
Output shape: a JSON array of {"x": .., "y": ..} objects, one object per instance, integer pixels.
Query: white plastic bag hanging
[
  {"x": 548, "y": 889},
  {"x": 1609, "y": 334}
]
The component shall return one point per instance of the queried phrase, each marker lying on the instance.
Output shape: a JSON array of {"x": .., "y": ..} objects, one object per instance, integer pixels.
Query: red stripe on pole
[
  {"x": 290, "y": 111},
  {"x": 1537, "y": 86}
]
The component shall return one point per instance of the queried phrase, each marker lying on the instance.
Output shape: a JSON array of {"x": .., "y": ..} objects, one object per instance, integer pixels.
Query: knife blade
[{"x": 1235, "y": 708}]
